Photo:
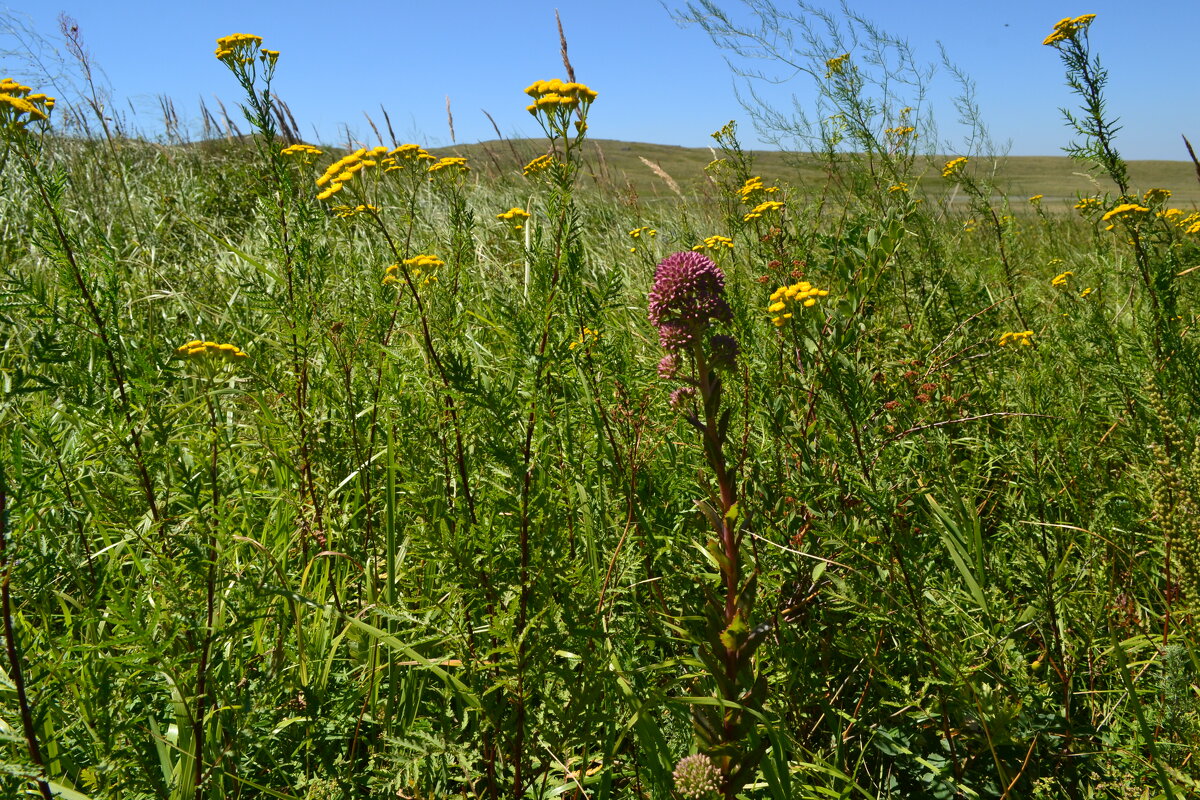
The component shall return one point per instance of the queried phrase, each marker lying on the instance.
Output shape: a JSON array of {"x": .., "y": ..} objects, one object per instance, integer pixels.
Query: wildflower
[
  {"x": 554, "y": 101},
  {"x": 668, "y": 367},
  {"x": 1066, "y": 28},
  {"x": 898, "y": 187},
  {"x": 636, "y": 233},
  {"x": 1085, "y": 292},
  {"x": 200, "y": 349},
  {"x": 715, "y": 243},
  {"x": 515, "y": 216},
  {"x": 539, "y": 164},
  {"x": 953, "y": 166},
  {"x": 586, "y": 337},
  {"x": 835, "y": 66},
  {"x": 688, "y": 293},
  {"x": 344, "y": 212},
  {"x": 696, "y": 776},
  {"x": 784, "y": 300},
  {"x": 1036, "y": 200},
  {"x": 19, "y": 107},
  {"x": 419, "y": 268},
  {"x": 1016, "y": 337},
  {"x": 969, "y": 226},
  {"x": 752, "y": 187},
  {"x": 237, "y": 48},
  {"x": 901, "y": 131},
  {"x": 681, "y": 397},
  {"x": 1087, "y": 204},
  {"x": 763, "y": 208},
  {"x": 304, "y": 150},
  {"x": 453, "y": 163},
  {"x": 1061, "y": 279},
  {"x": 1123, "y": 210}
]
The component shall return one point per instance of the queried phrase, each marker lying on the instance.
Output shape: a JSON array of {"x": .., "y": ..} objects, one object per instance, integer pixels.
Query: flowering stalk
[
  {"x": 688, "y": 296},
  {"x": 1087, "y": 79}
]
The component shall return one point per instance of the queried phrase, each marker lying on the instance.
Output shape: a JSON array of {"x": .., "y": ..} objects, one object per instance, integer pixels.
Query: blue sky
[{"x": 658, "y": 81}]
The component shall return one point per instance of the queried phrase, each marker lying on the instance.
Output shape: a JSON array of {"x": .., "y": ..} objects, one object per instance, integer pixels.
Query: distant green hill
[{"x": 621, "y": 167}]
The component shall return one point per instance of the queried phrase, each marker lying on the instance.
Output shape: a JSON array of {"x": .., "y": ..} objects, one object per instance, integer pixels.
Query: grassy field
[
  {"x": 614, "y": 166},
  {"x": 390, "y": 474}
]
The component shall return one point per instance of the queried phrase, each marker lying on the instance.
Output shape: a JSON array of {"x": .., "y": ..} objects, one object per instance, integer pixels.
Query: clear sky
[{"x": 658, "y": 81}]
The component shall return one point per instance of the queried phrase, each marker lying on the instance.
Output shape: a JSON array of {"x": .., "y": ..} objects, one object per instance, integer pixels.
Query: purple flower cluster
[{"x": 688, "y": 294}]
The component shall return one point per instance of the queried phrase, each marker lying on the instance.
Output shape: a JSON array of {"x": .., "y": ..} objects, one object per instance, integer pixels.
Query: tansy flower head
[
  {"x": 1123, "y": 210},
  {"x": 539, "y": 164},
  {"x": 237, "y": 48},
  {"x": 1016, "y": 337},
  {"x": 515, "y": 216},
  {"x": 715, "y": 243},
  {"x": 835, "y": 66},
  {"x": 198, "y": 349},
  {"x": 953, "y": 166},
  {"x": 452, "y": 164},
  {"x": 1067, "y": 28},
  {"x": 785, "y": 300},
  {"x": 18, "y": 107},
  {"x": 763, "y": 208}
]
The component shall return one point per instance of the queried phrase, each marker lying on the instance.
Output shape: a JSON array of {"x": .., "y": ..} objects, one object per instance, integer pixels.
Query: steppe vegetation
[{"x": 382, "y": 473}]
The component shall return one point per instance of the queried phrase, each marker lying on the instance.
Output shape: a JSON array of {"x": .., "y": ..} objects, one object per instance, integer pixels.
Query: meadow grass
[{"x": 378, "y": 473}]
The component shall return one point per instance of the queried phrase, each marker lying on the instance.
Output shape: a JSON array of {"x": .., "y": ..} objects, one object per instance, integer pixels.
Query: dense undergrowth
[{"x": 908, "y": 509}]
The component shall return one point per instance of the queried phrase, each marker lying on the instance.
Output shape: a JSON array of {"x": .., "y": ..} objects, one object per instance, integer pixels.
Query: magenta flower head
[{"x": 688, "y": 294}]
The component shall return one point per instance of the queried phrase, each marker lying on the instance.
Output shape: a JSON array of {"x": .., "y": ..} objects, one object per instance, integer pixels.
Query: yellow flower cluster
[
  {"x": 752, "y": 187},
  {"x": 902, "y": 186},
  {"x": 1066, "y": 28},
  {"x": 1122, "y": 210},
  {"x": 637, "y": 233},
  {"x": 901, "y": 131},
  {"x": 585, "y": 338},
  {"x": 1087, "y": 204},
  {"x": 785, "y": 298},
  {"x": 953, "y": 166},
  {"x": 198, "y": 348},
  {"x": 304, "y": 150},
  {"x": 342, "y": 212},
  {"x": 1016, "y": 337},
  {"x": 1061, "y": 279},
  {"x": 554, "y": 95},
  {"x": 1036, "y": 199},
  {"x": 1154, "y": 197},
  {"x": 18, "y": 106},
  {"x": 238, "y": 48},
  {"x": 763, "y": 208},
  {"x": 835, "y": 66},
  {"x": 456, "y": 164},
  {"x": 342, "y": 171},
  {"x": 515, "y": 216},
  {"x": 406, "y": 152},
  {"x": 715, "y": 243},
  {"x": 539, "y": 164},
  {"x": 417, "y": 266}
]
